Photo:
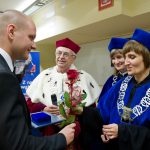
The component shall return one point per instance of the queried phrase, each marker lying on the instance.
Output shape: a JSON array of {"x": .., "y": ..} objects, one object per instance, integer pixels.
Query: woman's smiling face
[
  {"x": 134, "y": 63},
  {"x": 118, "y": 61}
]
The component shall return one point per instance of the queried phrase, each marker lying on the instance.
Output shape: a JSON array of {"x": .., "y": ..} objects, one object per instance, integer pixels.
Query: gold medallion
[{"x": 126, "y": 116}]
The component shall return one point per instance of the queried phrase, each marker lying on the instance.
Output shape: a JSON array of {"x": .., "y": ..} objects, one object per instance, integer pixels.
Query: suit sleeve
[
  {"x": 15, "y": 122},
  {"x": 91, "y": 128},
  {"x": 133, "y": 137}
]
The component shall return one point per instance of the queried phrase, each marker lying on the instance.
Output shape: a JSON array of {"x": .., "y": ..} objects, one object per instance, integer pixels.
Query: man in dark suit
[{"x": 17, "y": 34}]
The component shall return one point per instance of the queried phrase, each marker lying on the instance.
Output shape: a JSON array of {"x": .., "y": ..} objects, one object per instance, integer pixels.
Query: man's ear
[{"x": 10, "y": 30}]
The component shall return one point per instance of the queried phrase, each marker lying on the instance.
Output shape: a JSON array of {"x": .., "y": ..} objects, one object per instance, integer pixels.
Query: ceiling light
[
  {"x": 24, "y": 4},
  {"x": 36, "y": 6}
]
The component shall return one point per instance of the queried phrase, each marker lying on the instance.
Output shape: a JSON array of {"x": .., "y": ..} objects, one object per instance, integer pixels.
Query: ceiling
[
  {"x": 116, "y": 26},
  {"x": 15, "y": 4},
  {"x": 7, "y": 4},
  {"x": 121, "y": 25}
]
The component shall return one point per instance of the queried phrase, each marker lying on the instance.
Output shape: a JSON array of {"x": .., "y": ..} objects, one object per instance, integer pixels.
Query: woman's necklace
[{"x": 125, "y": 112}]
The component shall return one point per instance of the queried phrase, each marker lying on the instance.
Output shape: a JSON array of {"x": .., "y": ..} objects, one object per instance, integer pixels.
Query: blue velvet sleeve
[
  {"x": 107, "y": 101},
  {"x": 107, "y": 86}
]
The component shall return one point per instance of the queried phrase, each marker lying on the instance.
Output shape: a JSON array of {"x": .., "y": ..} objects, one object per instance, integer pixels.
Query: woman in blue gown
[
  {"x": 122, "y": 117},
  {"x": 117, "y": 59},
  {"x": 125, "y": 109}
]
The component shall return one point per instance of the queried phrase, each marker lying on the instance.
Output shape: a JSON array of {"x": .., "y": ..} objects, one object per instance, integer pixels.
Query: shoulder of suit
[
  {"x": 6, "y": 72},
  {"x": 4, "y": 68}
]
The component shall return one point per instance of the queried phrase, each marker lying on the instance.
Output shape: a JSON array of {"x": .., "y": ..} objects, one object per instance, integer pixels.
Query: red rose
[
  {"x": 74, "y": 103},
  {"x": 72, "y": 74}
]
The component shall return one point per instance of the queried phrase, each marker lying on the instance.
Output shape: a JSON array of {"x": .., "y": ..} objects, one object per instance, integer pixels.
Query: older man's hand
[{"x": 53, "y": 109}]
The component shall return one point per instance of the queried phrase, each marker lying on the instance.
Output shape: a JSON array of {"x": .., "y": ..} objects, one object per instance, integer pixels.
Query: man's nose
[{"x": 33, "y": 46}]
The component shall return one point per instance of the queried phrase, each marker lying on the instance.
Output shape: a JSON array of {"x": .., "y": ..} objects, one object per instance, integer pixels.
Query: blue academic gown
[
  {"x": 134, "y": 135},
  {"x": 111, "y": 81}
]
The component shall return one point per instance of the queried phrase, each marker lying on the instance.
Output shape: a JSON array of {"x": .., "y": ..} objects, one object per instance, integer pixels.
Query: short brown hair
[{"x": 139, "y": 49}]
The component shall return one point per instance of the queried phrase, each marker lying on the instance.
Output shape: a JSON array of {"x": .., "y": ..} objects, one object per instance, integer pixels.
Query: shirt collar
[{"x": 7, "y": 59}]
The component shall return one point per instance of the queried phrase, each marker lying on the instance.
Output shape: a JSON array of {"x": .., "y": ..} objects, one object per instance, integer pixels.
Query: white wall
[{"x": 94, "y": 58}]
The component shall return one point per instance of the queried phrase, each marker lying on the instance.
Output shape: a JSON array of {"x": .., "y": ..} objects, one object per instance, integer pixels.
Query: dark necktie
[{"x": 14, "y": 71}]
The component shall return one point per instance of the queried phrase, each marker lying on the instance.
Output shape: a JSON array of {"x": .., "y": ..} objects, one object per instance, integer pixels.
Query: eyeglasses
[{"x": 65, "y": 54}]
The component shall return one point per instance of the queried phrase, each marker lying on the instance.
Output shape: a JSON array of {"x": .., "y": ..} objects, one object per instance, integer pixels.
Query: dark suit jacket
[
  {"x": 15, "y": 124},
  {"x": 91, "y": 129}
]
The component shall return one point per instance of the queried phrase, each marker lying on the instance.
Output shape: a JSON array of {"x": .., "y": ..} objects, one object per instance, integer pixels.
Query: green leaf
[
  {"x": 70, "y": 119},
  {"x": 63, "y": 124},
  {"x": 82, "y": 104},
  {"x": 84, "y": 96},
  {"x": 67, "y": 99},
  {"x": 62, "y": 110}
]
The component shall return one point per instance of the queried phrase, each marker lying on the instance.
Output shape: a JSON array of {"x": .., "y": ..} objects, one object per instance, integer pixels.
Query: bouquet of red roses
[{"x": 72, "y": 99}]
